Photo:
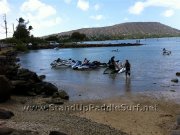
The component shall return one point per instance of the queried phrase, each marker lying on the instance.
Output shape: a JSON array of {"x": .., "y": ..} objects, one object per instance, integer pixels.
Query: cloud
[
  {"x": 168, "y": 13},
  {"x": 37, "y": 8},
  {"x": 41, "y": 15},
  {"x": 96, "y": 7},
  {"x": 126, "y": 19},
  {"x": 97, "y": 17},
  {"x": 83, "y": 5},
  {"x": 67, "y": 1},
  {"x": 4, "y": 7},
  {"x": 138, "y": 7}
]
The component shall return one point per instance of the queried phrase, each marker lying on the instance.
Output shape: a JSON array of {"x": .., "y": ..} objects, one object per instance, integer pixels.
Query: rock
[
  {"x": 178, "y": 74},
  {"x": 10, "y": 131},
  {"x": 56, "y": 133},
  {"x": 42, "y": 77},
  {"x": 5, "y": 88},
  {"x": 10, "y": 71},
  {"x": 25, "y": 74},
  {"x": 5, "y": 114},
  {"x": 172, "y": 90},
  {"x": 57, "y": 101},
  {"x": 30, "y": 88},
  {"x": 17, "y": 59},
  {"x": 22, "y": 87},
  {"x": 45, "y": 87},
  {"x": 175, "y": 80},
  {"x": 61, "y": 94}
]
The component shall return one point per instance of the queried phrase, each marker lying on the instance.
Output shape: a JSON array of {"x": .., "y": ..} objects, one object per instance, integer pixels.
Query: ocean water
[{"x": 150, "y": 70}]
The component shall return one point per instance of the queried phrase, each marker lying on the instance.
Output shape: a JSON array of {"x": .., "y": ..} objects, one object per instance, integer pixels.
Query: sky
[{"x": 55, "y": 16}]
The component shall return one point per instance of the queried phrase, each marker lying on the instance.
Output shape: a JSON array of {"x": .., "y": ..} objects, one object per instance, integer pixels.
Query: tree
[
  {"x": 30, "y": 28},
  {"x": 21, "y": 20},
  {"x": 22, "y": 32},
  {"x": 52, "y": 38},
  {"x": 78, "y": 36}
]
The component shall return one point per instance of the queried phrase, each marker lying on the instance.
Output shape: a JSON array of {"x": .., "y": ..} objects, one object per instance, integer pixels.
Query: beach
[{"x": 93, "y": 118}]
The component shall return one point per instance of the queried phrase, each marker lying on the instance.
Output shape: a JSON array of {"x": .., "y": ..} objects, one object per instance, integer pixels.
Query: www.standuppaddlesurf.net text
[{"x": 92, "y": 107}]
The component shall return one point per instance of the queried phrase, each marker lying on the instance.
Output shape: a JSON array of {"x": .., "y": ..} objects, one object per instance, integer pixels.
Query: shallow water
[{"x": 151, "y": 71}]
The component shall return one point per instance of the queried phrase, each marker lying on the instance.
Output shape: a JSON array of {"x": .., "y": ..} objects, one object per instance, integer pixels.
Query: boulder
[
  {"x": 61, "y": 94},
  {"x": 25, "y": 74},
  {"x": 5, "y": 114},
  {"x": 22, "y": 87},
  {"x": 30, "y": 88},
  {"x": 5, "y": 88},
  {"x": 178, "y": 74},
  {"x": 45, "y": 87},
  {"x": 175, "y": 80},
  {"x": 56, "y": 133},
  {"x": 11, "y": 71}
]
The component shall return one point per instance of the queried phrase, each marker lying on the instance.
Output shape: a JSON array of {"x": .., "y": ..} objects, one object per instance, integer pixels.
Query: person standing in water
[{"x": 128, "y": 68}]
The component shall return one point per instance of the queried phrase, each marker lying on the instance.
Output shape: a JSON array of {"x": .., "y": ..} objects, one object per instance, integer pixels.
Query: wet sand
[{"x": 159, "y": 120}]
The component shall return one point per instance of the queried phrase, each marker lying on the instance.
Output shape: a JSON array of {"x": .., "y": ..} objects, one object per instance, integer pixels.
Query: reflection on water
[
  {"x": 128, "y": 85},
  {"x": 150, "y": 69}
]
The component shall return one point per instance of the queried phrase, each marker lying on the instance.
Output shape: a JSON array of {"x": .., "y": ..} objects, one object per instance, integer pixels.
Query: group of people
[{"x": 116, "y": 65}]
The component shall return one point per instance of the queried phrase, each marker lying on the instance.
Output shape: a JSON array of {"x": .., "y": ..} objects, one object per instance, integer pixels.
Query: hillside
[{"x": 127, "y": 30}]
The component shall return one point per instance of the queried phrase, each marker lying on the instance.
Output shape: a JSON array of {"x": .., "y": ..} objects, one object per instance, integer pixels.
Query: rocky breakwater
[{"x": 19, "y": 81}]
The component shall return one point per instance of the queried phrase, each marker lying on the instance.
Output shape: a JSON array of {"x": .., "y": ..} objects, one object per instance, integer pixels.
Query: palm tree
[{"x": 21, "y": 20}]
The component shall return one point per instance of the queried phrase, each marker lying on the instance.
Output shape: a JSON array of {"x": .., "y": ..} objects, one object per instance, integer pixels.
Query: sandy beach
[{"x": 135, "y": 115}]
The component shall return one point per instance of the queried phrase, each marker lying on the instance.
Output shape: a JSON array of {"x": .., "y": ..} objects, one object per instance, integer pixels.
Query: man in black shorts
[{"x": 128, "y": 68}]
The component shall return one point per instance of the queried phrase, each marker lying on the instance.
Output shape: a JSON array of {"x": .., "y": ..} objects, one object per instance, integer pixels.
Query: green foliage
[
  {"x": 21, "y": 47},
  {"x": 76, "y": 36},
  {"x": 22, "y": 33},
  {"x": 52, "y": 38},
  {"x": 10, "y": 41},
  {"x": 64, "y": 38}
]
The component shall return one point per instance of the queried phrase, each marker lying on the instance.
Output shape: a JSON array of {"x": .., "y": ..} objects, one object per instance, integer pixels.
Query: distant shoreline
[
  {"x": 100, "y": 45},
  {"x": 87, "y": 45}
]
